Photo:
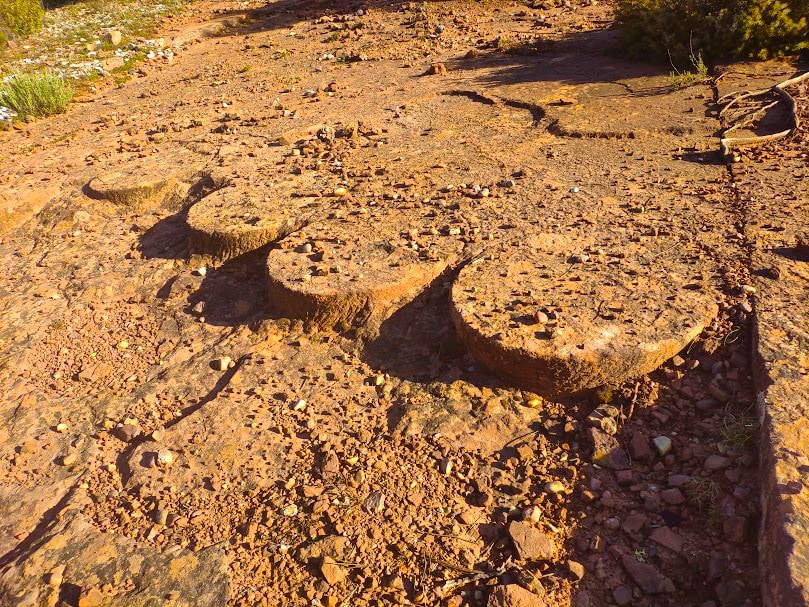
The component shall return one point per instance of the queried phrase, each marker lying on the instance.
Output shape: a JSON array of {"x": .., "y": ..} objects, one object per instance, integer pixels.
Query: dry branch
[{"x": 726, "y": 143}]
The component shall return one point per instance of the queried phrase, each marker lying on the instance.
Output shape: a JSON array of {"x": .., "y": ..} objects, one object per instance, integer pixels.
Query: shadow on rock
[
  {"x": 418, "y": 341},
  {"x": 167, "y": 239},
  {"x": 234, "y": 293}
]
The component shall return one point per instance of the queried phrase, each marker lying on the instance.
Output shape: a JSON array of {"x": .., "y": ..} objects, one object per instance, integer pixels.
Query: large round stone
[
  {"x": 558, "y": 318},
  {"x": 341, "y": 270},
  {"x": 241, "y": 218},
  {"x": 140, "y": 185}
]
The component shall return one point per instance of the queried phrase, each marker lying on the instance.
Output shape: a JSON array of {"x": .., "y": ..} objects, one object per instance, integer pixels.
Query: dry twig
[{"x": 733, "y": 99}]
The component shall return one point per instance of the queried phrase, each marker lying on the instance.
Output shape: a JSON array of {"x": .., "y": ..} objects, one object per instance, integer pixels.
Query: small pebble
[
  {"x": 445, "y": 466},
  {"x": 662, "y": 444},
  {"x": 164, "y": 457},
  {"x": 532, "y": 514}
]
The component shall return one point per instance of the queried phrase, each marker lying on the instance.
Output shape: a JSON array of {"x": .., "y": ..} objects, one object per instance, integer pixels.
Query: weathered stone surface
[
  {"x": 530, "y": 542},
  {"x": 607, "y": 451},
  {"x": 780, "y": 371},
  {"x": 333, "y": 546},
  {"x": 22, "y": 202},
  {"x": 332, "y": 572},
  {"x": 668, "y": 538},
  {"x": 452, "y": 417},
  {"x": 199, "y": 579},
  {"x": 649, "y": 579},
  {"x": 513, "y": 595},
  {"x": 606, "y": 322},
  {"x": 215, "y": 436}
]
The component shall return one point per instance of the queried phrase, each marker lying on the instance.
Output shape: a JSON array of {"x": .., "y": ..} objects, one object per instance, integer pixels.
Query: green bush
[
  {"x": 36, "y": 95},
  {"x": 20, "y": 18},
  {"x": 679, "y": 30}
]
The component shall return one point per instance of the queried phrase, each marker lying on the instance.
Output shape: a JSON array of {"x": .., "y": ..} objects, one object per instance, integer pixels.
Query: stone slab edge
[{"x": 781, "y": 374}]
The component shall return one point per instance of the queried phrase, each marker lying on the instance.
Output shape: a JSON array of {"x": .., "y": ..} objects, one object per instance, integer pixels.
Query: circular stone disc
[
  {"x": 338, "y": 271},
  {"x": 557, "y": 320},
  {"x": 242, "y": 218},
  {"x": 141, "y": 184}
]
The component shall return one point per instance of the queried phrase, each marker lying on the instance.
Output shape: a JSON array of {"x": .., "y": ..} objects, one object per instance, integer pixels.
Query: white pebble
[{"x": 164, "y": 457}]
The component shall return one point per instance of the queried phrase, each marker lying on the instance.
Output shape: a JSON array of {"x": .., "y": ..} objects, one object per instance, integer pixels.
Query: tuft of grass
[
  {"x": 245, "y": 69},
  {"x": 679, "y": 80},
  {"x": 36, "y": 95},
  {"x": 702, "y": 492},
  {"x": 737, "y": 431}
]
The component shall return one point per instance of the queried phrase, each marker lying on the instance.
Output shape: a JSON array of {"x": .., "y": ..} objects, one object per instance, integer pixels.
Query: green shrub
[
  {"x": 678, "y": 30},
  {"x": 36, "y": 95},
  {"x": 20, "y": 17},
  {"x": 771, "y": 27}
]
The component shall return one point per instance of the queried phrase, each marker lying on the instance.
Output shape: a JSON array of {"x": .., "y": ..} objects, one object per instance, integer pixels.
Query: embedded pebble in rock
[
  {"x": 224, "y": 363},
  {"x": 361, "y": 263},
  {"x": 164, "y": 457},
  {"x": 128, "y": 432},
  {"x": 241, "y": 218},
  {"x": 639, "y": 447},
  {"x": 678, "y": 480},
  {"x": 445, "y": 466},
  {"x": 576, "y": 570},
  {"x": 672, "y": 496},
  {"x": 635, "y": 523},
  {"x": 668, "y": 538},
  {"x": 90, "y": 597},
  {"x": 375, "y": 502},
  {"x": 532, "y": 514},
  {"x": 601, "y": 329}
]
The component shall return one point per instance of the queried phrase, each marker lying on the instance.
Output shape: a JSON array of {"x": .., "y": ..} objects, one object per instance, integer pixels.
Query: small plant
[
  {"x": 714, "y": 517},
  {"x": 640, "y": 555},
  {"x": 20, "y": 17},
  {"x": 245, "y": 69},
  {"x": 702, "y": 492},
  {"x": 737, "y": 431},
  {"x": 721, "y": 28},
  {"x": 605, "y": 394},
  {"x": 680, "y": 80},
  {"x": 35, "y": 95}
]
